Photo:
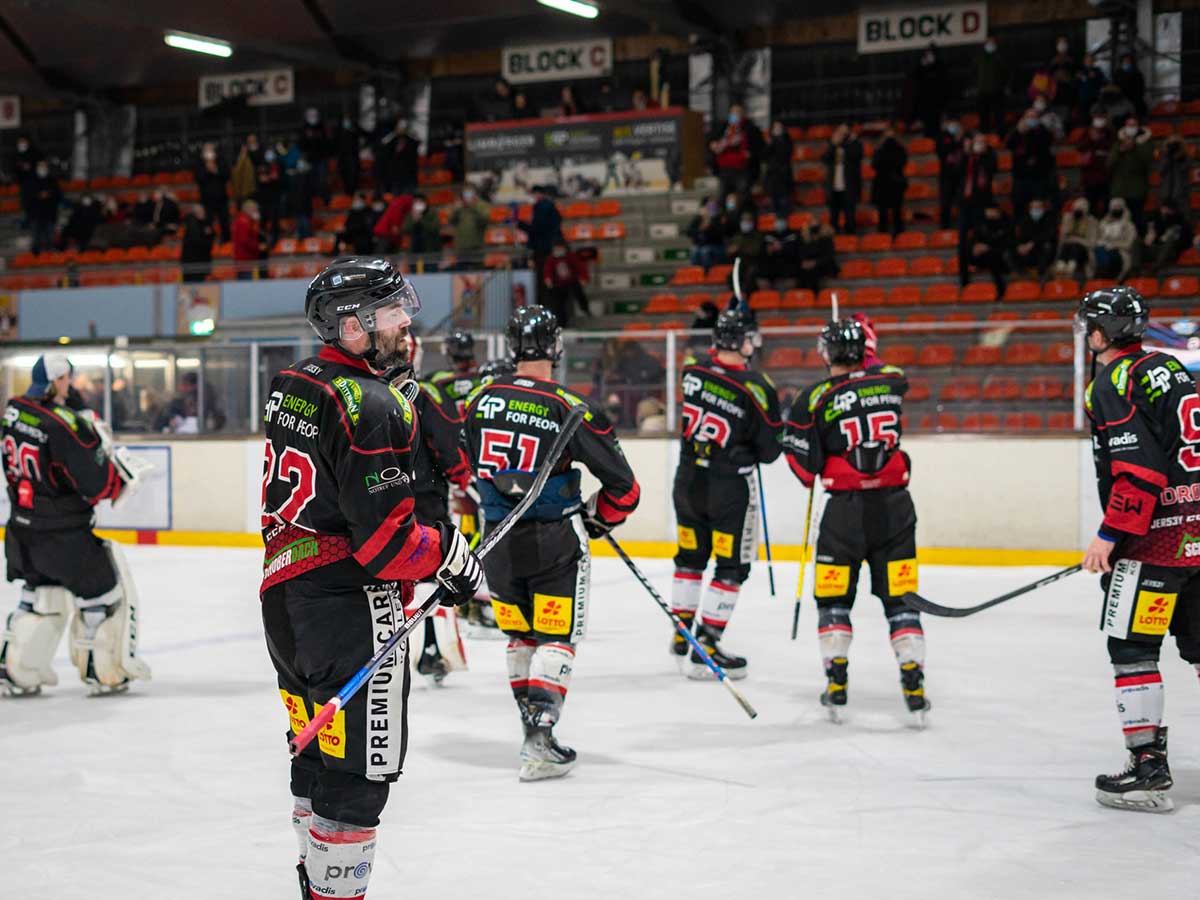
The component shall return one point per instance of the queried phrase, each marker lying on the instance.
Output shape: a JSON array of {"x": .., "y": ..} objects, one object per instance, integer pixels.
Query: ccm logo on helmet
[{"x": 348, "y": 306}]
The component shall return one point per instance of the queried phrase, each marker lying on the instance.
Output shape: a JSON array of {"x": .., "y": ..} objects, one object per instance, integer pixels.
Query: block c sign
[
  {"x": 886, "y": 31},
  {"x": 558, "y": 62}
]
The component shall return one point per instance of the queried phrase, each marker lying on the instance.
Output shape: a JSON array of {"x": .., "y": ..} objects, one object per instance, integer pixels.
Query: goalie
[{"x": 60, "y": 462}]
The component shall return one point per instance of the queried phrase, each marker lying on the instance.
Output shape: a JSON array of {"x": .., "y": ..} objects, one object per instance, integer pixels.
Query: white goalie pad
[
  {"x": 104, "y": 632},
  {"x": 130, "y": 468},
  {"x": 445, "y": 632},
  {"x": 31, "y": 637}
]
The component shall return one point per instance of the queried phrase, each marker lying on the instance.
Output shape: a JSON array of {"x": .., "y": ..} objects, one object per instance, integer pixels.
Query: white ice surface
[{"x": 178, "y": 791}]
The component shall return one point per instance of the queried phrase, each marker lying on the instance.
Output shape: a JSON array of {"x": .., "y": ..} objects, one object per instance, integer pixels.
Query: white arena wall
[{"x": 980, "y": 499}]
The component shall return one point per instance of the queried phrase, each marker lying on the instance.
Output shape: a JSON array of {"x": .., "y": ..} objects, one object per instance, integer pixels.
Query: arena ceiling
[{"x": 86, "y": 46}]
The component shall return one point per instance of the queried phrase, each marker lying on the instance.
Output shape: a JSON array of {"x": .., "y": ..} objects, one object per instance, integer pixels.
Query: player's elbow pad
[{"x": 1130, "y": 508}]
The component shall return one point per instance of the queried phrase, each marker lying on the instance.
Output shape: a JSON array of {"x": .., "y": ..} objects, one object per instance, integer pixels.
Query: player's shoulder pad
[
  {"x": 431, "y": 390},
  {"x": 894, "y": 371},
  {"x": 572, "y": 401},
  {"x": 479, "y": 389},
  {"x": 817, "y": 392},
  {"x": 67, "y": 416},
  {"x": 1120, "y": 374},
  {"x": 1160, "y": 372},
  {"x": 349, "y": 391},
  {"x": 757, "y": 384}
]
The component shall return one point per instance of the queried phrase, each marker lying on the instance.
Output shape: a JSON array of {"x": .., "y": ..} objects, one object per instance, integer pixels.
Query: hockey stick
[
  {"x": 920, "y": 604},
  {"x": 352, "y": 687},
  {"x": 803, "y": 558},
  {"x": 762, "y": 505},
  {"x": 680, "y": 627}
]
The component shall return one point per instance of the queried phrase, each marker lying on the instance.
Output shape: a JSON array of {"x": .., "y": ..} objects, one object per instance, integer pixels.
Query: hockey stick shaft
[
  {"x": 803, "y": 559},
  {"x": 680, "y": 627},
  {"x": 352, "y": 687},
  {"x": 920, "y": 604},
  {"x": 762, "y": 505}
]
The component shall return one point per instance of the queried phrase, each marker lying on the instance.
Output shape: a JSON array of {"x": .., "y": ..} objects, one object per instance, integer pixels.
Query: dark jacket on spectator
[
  {"x": 81, "y": 225},
  {"x": 212, "y": 185},
  {"x": 991, "y": 76},
  {"x": 852, "y": 155},
  {"x": 779, "y": 178},
  {"x": 196, "y": 246},
  {"x": 358, "y": 234},
  {"x": 952, "y": 157},
  {"x": 996, "y": 233},
  {"x": 544, "y": 226},
  {"x": 399, "y": 155},
  {"x": 315, "y": 143},
  {"x": 1094, "y": 147},
  {"x": 1032, "y": 152},
  {"x": 45, "y": 197},
  {"x": 1089, "y": 81},
  {"x": 1133, "y": 86},
  {"x": 425, "y": 233},
  {"x": 1175, "y": 167},
  {"x": 1130, "y": 167},
  {"x": 1038, "y": 231},
  {"x": 705, "y": 230},
  {"x": 166, "y": 213},
  {"x": 931, "y": 90},
  {"x": 888, "y": 161}
]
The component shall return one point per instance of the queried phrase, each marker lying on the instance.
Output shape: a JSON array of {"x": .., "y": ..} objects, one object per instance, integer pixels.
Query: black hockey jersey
[
  {"x": 56, "y": 466},
  {"x": 337, "y": 475},
  {"x": 456, "y": 386},
  {"x": 1145, "y": 417},
  {"x": 512, "y": 422},
  {"x": 846, "y": 430},
  {"x": 729, "y": 419},
  {"x": 439, "y": 459}
]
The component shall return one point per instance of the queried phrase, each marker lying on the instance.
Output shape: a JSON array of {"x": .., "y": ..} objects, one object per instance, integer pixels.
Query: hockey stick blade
[
  {"x": 305, "y": 737},
  {"x": 920, "y": 604},
  {"x": 681, "y": 628}
]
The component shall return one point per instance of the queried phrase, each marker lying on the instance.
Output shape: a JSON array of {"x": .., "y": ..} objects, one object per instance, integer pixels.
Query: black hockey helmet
[
  {"x": 1120, "y": 313},
  {"x": 733, "y": 328},
  {"x": 494, "y": 368},
  {"x": 370, "y": 290},
  {"x": 533, "y": 334},
  {"x": 459, "y": 346},
  {"x": 843, "y": 343}
]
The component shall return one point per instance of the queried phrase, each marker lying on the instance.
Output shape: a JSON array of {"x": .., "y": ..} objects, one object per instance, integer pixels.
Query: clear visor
[{"x": 385, "y": 314}]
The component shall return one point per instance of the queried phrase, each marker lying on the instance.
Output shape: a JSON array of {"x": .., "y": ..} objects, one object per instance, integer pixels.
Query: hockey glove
[
  {"x": 595, "y": 524},
  {"x": 459, "y": 571}
]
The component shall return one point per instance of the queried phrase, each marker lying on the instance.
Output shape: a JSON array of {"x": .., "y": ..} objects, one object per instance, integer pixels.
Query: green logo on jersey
[
  {"x": 1120, "y": 375},
  {"x": 29, "y": 419},
  {"x": 528, "y": 406},
  {"x": 817, "y": 393},
  {"x": 432, "y": 391},
  {"x": 572, "y": 400},
  {"x": 1189, "y": 546},
  {"x": 759, "y": 394},
  {"x": 299, "y": 405},
  {"x": 402, "y": 402},
  {"x": 67, "y": 416},
  {"x": 351, "y": 397}
]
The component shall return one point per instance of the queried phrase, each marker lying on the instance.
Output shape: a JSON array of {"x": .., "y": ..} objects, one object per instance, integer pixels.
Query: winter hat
[{"x": 47, "y": 368}]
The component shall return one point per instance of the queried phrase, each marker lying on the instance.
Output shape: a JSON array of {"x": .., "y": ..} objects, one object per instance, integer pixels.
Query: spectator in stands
[
  {"x": 952, "y": 155},
  {"x": 889, "y": 184},
  {"x": 397, "y": 160},
  {"x": 1094, "y": 148},
  {"x": 1032, "y": 149},
  {"x": 357, "y": 235},
  {"x": 564, "y": 275},
  {"x": 843, "y": 181},
  {"x": 165, "y": 218},
  {"x": 1167, "y": 235},
  {"x": 1114, "y": 105},
  {"x": 213, "y": 180},
  {"x": 1034, "y": 237},
  {"x": 45, "y": 196},
  {"x": 708, "y": 235},
  {"x": 347, "y": 144},
  {"x": 243, "y": 177},
  {"x": 181, "y": 415},
  {"x": 816, "y": 259},
  {"x": 748, "y": 246},
  {"x": 569, "y": 105},
  {"x": 269, "y": 179},
  {"x": 1089, "y": 81},
  {"x": 1115, "y": 242},
  {"x": 1077, "y": 235},
  {"x": 497, "y": 106},
  {"x": 142, "y": 213},
  {"x": 195, "y": 252},
  {"x": 249, "y": 243},
  {"x": 316, "y": 145},
  {"x": 1049, "y": 117},
  {"x": 422, "y": 228},
  {"x": 300, "y": 186},
  {"x": 1175, "y": 169},
  {"x": 1130, "y": 161},
  {"x": 989, "y": 243},
  {"x": 991, "y": 84},
  {"x": 389, "y": 227},
  {"x": 931, "y": 90},
  {"x": 521, "y": 107},
  {"x": 736, "y": 149},
  {"x": 642, "y": 101},
  {"x": 81, "y": 225},
  {"x": 469, "y": 220},
  {"x": 541, "y": 231},
  {"x": 24, "y": 166},
  {"x": 781, "y": 256},
  {"x": 651, "y": 417},
  {"x": 1128, "y": 77},
  {"x": 1062, "y": 69},
  {"x": 779, "y": 180},
  {"x": 637, "y": 372},
  {"x": 731, "y": 216},
  {"x": 706, "y": 318}
]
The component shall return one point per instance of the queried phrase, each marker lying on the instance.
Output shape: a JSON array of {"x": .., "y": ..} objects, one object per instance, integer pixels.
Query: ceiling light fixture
[
  {"x": 574, "y": 7},
  {"x": 198, "y": 43}
]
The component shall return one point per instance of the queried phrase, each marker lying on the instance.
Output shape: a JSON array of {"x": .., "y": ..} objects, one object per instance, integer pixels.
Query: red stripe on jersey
[
  {"x": 1158, "y": 479},
  {"x": 342, "y": 837},
  {"x": 1132, "y": 729},
  {"x": 1134, "y": 680},
  {"x": 727, "y": 588},
  {"x": 806, "y": 477},
  {"x": 548, "y": 686},
  {"x": 374, "y": 545},
  {"x": 905, "y": 631},
  {"x": 617, "y": 510},
  {"x": 330, "y": 353},
  {"x": 690, "y": 576},
  {"x": 1130, "y": 508},
  {"x": 419, "y": 557},
  {"x": 716, "y": 623},
  {"x": 73, "y": 432}
]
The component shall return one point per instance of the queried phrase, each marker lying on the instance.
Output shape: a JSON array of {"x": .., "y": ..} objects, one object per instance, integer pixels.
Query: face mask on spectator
[
  {"x": 1129, "y": 132},
  {"x": 954, "y": 128},
  {"x": 777, "y": 130},
  {"x": 468, "y": 195},
  {"x": 747, "y": 226},
  {"x": 312, "y": 117},
  {"x": 1099, "y": 122},
  {"x": 42, "y": 171},
  {"x": 979, "y": 146},
  {"x": 1062, "y": 46},
  {"x": 1126, "y": 66},
  {"x": 357, "y": 204},
  {"x": 22, "y": 145},
  {"x": 418, "y": 207},
  {"x": 780, "y": 226},
  {"x": 1036, "y": 213},
  {"x": 560, "y": 252},
  {"x": 989, "y": 47},
  {"x": 734, "y": 118},
  {"x": 87, "y": 201},
  {"x": 731, "y": 205},
  {"x": 269, "y": 156},
  {"x": 1039, "y": 104}
]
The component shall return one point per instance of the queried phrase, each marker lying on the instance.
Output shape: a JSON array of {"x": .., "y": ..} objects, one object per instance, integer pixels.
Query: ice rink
[{"x": 178, "y": 790}]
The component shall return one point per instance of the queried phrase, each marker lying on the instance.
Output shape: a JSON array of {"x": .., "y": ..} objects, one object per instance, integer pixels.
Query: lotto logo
[
  {"x": 552, "y": 614},
  {"x": 722, "y": 544},
  {"x": 1153, "y": 612},
  {"x": 509, "y": 617},
  {"x": 902, "y": 576},
  {"x": 332, "y": 738},
  {"x": 831, "y": 581},
  {"x": 297, "y": 712}
]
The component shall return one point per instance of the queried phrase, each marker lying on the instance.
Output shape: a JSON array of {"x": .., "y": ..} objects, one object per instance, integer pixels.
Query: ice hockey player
[
  {"x": 60, "y": 462},
  {"x": 343, "y": 551},
  {"x": 538, "y": 573},
  {"x": 438, "y": 462},
  {"x": 730, "y": 423},
  {"x": 462, "y": 377},
  {"x": 1145, "y": 418},
  {"x": 845, "y": 430}
]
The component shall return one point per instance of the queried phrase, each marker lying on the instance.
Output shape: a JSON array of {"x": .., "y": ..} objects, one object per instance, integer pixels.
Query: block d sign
[
  {"x": 886, "y": 31},
  {"x": 558, "y": 62}
]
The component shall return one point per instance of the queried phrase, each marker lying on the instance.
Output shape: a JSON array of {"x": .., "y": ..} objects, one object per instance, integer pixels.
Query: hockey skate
[
  {"x": 679, "y": 644},
  {"x": 544, "y": 757},
  {"x": 833, "y": 698},
  {"x": 1143, "y": 785},
  {"x": 912, "y": 683},
  {"x": 481, "y": 621},
  {"x": 433, "y": 666},
  {"x": 734, "y": 666},
  {"x": 302, "y": 872}
]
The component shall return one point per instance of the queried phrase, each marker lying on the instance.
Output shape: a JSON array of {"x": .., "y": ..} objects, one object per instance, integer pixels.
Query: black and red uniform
[
  {"x": 1145, "y": 419},
  {"x": 538, "y": 574},
  {"x": 57, "y": 471},
  {"x": 439, "y": 460},
  {"x": 846, "y": 431},
  {"x": 343, "y": 549},
  {"x": 455, "y": 386},
  {"x": 730, "y": 422}
]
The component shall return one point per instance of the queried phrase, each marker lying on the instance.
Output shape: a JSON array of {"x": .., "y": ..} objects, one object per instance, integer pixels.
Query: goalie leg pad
[
  {"x": 104, "y": 632},
  {"x": 31, "y": 638}
]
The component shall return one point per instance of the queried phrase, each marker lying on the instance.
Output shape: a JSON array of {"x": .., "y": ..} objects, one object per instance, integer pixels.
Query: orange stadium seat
[
  {"x": 1060, "y": 289},
  {"x": 1001, "y": 388},
  {"x": 920, "y": 146},
  {"x": 580, "y": 231},
  {"x": 1147, "y": 287},
  {"x": 891, "y": 267},
  {"x": 901, "y": 354},
  {"x": 845, "y": 243},
  {"x": 494, "y": 237},
  {"x": 979, "y": 292},
  {"x": 981, "y": 355},
  {"x": 981, "y": 422},
  {"x": 661, "y": 303},
  {"x": 786, "y": 358},
  {"x": 960, "y": 389},
  {"x": 1167, "y": 312},
  {"x": 496, "y": 260},
  {"x": 580, "y": 209},
  {"x": 938, "y": 294},
  {"x": 1070, "y": 158},
  {"x": 798, "y": 220},
  {"x": 1022, "y": 354},
  {"x": 1097, "y": 284},
  {"x": 813, "y": 197},
  {"x": 798, "y": 298},
  {"x": 1059, "y": 352},
  {"x": 867, "y": 296},
  {"x": 498, "y": 214},
  {"x": 927, "y": 168},
  {"x": 919, "y": 190},
  {"x": 920, "y": 318},
  {"x": 688, "y": 275},
  {"x": 936, "y": 355},
  {"x": 857, "y": 268},
  {"x": 810, "y": 174},
  {"x": 910, "y": 240},
  {"x": 1023, "y": 422},
  {"x": 1181, "y": 285},
  {"x": 919, "y": 390},
  {"x": 943, "y": 239},
  {"x": 766, "y": 222},
  {"x": 1047, "y": 315},
  {"x": 1060, "y": 421},
  {"x": 611, "y": 231},
  {"x": 927, "y": 267},
  {"x": 960, "y": 317},
  {"x": 1190, "y": 128},
  {"x": 875, "y": 243},
  {"x": 692, "y": 302},
  {"x": 1044, "y": 387},
  {"x": 765, "y": 300},
  {"x": 606, "y": 209},
  {"x": 903, "y": 295},
  {"x": 1023, "y": 292}
]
